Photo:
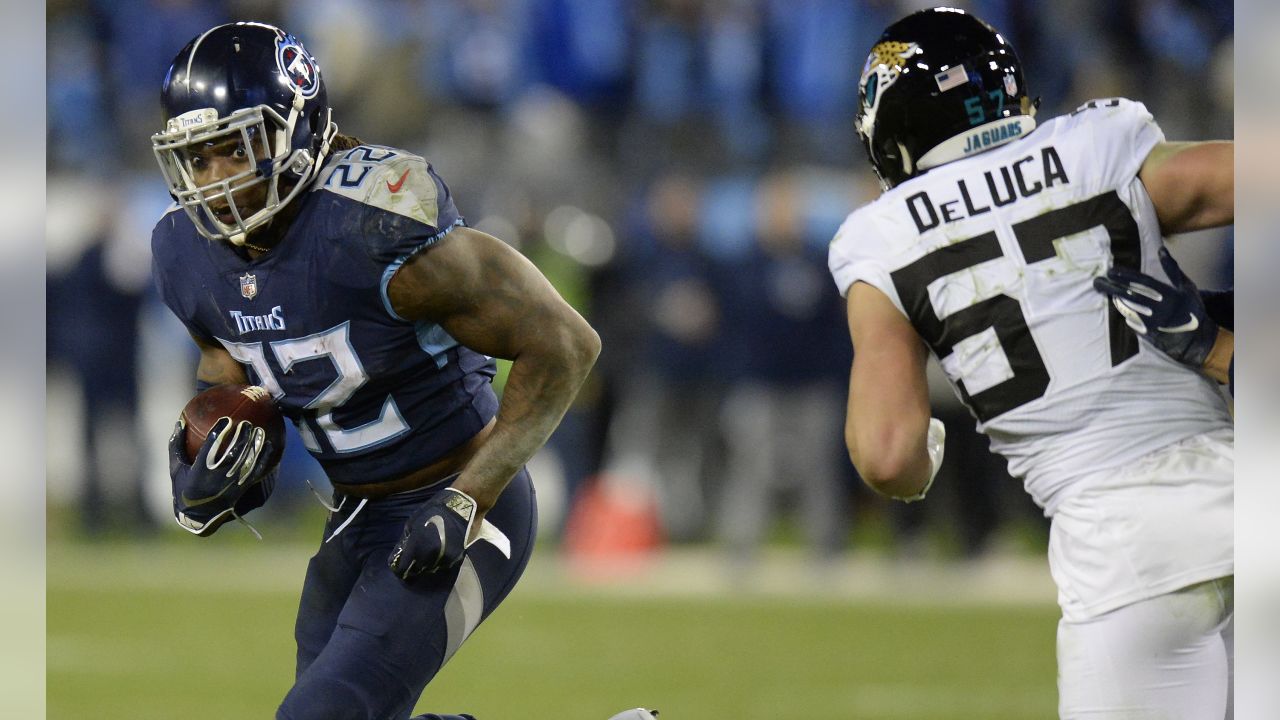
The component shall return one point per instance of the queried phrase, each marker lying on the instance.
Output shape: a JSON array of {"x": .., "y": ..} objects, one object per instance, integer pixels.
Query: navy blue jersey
[{"x": 373, "y": 395}]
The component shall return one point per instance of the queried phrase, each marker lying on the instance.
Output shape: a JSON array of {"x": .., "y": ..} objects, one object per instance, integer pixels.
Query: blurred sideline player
[
  {"x": 341, "y": 277},
  {"x": 982, "y": 250}
]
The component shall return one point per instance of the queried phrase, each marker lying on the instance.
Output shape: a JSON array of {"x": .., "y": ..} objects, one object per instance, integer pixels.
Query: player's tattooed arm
[
  {"x": 887, "y": 423},
  {"x": 492, "y": 299},
  {"x": 216, "y": 364},
  {"x": 1191, "y": 184}
]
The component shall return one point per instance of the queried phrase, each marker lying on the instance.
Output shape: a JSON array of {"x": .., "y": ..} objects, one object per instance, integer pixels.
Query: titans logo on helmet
[{"x": 296, "y": 64}]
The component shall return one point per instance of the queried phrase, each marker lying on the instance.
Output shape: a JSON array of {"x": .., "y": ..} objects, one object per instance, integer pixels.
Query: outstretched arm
[
  {"x": 493, "y": 300},
  {"x": 1191, "y": 184}
]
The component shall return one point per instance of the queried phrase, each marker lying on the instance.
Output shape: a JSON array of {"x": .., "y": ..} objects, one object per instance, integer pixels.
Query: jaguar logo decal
[{"x": 883, "y": 67}]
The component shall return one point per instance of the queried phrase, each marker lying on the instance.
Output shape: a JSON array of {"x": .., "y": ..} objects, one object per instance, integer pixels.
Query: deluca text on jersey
[{"x": 1023, "y": 177}]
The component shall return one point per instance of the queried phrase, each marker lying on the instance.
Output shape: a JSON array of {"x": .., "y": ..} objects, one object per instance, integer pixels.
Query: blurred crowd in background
[{"x": 676, "y": 167}]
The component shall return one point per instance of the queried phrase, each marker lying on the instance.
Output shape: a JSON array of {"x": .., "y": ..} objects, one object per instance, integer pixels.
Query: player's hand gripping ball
[
  {"x": 250, "y": 403},
  {"x": 223, "y": 455}
]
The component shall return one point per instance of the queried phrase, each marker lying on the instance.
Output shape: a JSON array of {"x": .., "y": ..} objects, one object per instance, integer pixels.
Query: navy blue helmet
[
  {"x": 257, "y": 84},
  {"x": 936, "y": 80}
]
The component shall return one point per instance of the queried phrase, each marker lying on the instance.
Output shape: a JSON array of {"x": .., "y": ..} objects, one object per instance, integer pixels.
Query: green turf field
[{"x": 181, "y": 628}]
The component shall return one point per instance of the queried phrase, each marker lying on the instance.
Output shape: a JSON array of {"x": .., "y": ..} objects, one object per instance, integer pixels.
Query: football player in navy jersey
[
  {"x": 983, "y": 251},
  {"x": 341, "y": 277}
]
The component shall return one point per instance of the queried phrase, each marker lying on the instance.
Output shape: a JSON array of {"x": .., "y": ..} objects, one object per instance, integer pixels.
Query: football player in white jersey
[{"x": 982, "y": 250}]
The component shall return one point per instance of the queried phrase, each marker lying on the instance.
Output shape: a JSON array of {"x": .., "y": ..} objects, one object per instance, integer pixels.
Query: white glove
[{"x": 936, "y": 444}]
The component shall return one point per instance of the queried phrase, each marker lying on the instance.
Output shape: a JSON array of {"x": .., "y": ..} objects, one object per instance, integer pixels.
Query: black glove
[
  {"x": 234, "y": 472},
  {"x": 1221, "y": 306},
  {"x": 1172, "y": 317},
  {"x": 435, "y": 536}
]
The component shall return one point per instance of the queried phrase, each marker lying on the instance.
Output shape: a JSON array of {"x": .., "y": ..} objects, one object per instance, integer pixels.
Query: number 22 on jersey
[{"x": 335, "y": 345}]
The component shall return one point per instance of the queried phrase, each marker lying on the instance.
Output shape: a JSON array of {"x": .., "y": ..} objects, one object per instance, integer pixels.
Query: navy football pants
[{"x": 368, "y": 643}]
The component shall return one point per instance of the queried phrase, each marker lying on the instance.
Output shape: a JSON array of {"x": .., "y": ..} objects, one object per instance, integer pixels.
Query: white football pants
[{"x": 1166, "y": 658}]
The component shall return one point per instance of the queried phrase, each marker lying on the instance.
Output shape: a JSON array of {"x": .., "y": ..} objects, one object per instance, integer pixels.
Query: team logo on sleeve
[
  {"x": 249, "y": 286},
  {"x": 883, "y": 67},
  {"x": 296, "y": 64}
]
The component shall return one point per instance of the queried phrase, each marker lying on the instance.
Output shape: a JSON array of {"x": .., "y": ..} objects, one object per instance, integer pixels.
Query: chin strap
[{"x": 284, "y": 133}]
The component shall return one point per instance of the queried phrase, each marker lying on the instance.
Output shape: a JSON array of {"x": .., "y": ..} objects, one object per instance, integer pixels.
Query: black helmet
[
  {"x": 254, "y": 81},
  {"x": 934, "y": 81}
]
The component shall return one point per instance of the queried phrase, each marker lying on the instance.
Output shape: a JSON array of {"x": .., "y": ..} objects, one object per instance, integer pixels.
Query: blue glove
[
  {"x": 435, "y": 536},
  {"x": 1172, "y": 317},
  {"x": 234, "y": 472}
]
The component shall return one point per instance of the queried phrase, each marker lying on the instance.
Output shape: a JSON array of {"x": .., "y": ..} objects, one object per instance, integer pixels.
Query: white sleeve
[
  {"x": 1123, "y": 134},
  {"x": 854, "y": 257}
]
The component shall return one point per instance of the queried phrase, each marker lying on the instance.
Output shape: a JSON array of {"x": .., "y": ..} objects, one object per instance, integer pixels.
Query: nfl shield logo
[
  {"x": 249, "y": 286},
  {"x": 1010, "y": 85}
]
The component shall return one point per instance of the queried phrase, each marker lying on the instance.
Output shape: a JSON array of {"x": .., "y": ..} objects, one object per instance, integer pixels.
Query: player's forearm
[
  {"x": 891, "y": 459},
  {"x": 1218, "y": 363},
  {"x": 540, "y": 387},
  {"x": 909, "y": 478}
]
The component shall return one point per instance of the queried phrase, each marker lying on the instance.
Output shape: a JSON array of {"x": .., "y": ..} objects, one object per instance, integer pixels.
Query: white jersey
[{"x": 992, "y": 259}]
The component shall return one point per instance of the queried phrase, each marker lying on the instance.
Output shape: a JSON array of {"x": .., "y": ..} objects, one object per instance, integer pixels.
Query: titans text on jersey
[
  {"x": 373, "y": 395},
  {"x": 248, "y": 323}
]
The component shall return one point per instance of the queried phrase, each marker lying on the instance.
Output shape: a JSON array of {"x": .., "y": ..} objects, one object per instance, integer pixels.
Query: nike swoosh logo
[
  {"x": 196, "y": 502},
  {"x": 437, "y": 522},
  {"x": 399, "y": 183},
  {"x": 1187, "y": 326}
]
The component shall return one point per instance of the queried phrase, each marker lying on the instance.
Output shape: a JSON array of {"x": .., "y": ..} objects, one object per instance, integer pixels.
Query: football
[{"x": 239, "y": 402}]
